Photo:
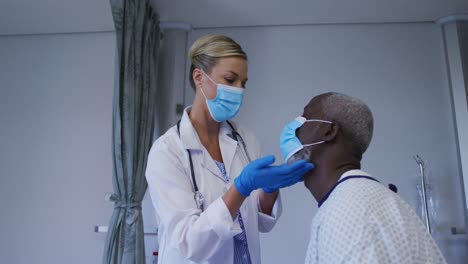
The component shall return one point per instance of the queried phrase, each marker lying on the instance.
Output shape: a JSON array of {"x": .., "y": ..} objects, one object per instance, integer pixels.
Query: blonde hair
[{"x": 206, "y": 50}]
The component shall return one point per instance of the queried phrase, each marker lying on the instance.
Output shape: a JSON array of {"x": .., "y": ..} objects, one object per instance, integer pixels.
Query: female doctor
[{"x": 211, "y": 200}]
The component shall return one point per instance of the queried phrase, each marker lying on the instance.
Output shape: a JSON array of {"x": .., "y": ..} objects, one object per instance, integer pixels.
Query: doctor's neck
[
  {"x": 329, "y": 167},
  {"x": 201, "y": 118}
]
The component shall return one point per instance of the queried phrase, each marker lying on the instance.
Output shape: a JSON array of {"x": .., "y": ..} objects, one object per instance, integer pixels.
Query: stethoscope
[{"x": 198, "y": 196}]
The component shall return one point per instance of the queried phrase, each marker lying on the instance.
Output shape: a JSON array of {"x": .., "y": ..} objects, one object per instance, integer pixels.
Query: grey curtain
[{"x": 137, "y": 31}]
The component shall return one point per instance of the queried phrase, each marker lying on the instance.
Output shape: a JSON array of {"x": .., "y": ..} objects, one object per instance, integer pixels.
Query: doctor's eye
[{"x": 229, "y": 80}]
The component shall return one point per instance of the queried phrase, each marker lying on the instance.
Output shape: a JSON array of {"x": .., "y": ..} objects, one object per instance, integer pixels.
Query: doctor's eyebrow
[{"x": 236, "y": 74}]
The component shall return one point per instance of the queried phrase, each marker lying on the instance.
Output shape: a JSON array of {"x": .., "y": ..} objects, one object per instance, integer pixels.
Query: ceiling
[
  {"x": 216, "y": 13},
  {"x": 62, "y": 16},
  {"x": 54, "y": 16}
]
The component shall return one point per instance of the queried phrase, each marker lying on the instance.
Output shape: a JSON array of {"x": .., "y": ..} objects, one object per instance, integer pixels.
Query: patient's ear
[{"x": 331, "y": 132}]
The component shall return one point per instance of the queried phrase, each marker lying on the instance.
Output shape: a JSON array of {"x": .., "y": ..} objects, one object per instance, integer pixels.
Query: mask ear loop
[
  {"x": 316, "y": 120},
  {"x": 313, "y": 144},
  {"x": 208, "y": 76},
  {"x": 201, "y": 88}
]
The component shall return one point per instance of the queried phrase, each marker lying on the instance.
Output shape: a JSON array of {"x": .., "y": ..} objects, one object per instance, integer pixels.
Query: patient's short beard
[{"x": 303, "y": 154}]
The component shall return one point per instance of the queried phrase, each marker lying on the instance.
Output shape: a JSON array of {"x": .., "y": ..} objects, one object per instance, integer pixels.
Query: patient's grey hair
[{"x": 353, "y": 117}]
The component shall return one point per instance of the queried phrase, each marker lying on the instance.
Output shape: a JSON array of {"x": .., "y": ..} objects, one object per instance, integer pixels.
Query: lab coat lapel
[
  {"x": 228, "y": 148},
  {"x": 191, "y": 141},
  {"x": 209, "y": 164}
]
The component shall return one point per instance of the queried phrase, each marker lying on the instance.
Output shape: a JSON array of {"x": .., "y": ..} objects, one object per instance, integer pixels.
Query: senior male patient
[{"x": 359, "y": 219}]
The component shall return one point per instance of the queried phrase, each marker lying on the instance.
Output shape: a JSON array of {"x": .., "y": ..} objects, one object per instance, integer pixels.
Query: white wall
[
  {"x": 456, "y": 48},
  {"x": 400, "y": 71},
  {"x": 55, "y": 138},
  {"x": 56, "y": 115},
  {"x": 172, "y": 58},
  {"x": 56, "y": 132}
]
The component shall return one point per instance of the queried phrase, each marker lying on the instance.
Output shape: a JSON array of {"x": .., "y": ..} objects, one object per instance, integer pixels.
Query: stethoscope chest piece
[{"x": 199, "y": 200}]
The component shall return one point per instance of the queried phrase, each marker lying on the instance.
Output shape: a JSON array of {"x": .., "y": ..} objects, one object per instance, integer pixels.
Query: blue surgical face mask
[
  {"x": 290, "y": 143},
  {"x": 227, "y": 102}
]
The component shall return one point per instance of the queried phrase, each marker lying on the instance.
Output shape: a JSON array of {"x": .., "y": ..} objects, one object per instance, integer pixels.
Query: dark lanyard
[{"x": 339, "y": 182}]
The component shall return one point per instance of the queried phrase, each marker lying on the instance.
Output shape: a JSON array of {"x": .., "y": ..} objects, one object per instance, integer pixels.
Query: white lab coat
[
  {"x": 185, "y": 233},
  {"x": 363, "y": 222}
]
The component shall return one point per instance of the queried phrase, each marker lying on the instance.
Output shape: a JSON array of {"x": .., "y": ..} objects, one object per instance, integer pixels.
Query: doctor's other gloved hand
[{"x": 260, "y": 173}]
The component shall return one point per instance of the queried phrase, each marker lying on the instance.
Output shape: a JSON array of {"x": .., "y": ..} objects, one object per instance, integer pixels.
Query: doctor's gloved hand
[
  {"x": 261, "y": 173},
  {"x": 294, "y": 179}
]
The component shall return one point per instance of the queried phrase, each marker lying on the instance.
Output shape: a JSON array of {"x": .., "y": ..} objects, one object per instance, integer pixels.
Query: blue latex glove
[
  {"x": 273, "y": 189},
  {"x": 261, "y": 174}
]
